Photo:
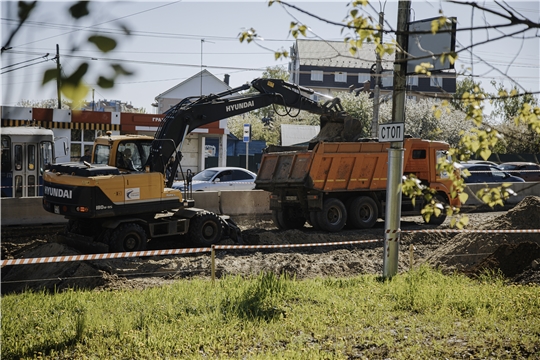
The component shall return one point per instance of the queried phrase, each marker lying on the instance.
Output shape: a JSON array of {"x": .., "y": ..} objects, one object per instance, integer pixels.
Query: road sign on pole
[
  {"x": 247, "y": 133},
  {"x": 392, "y": 132}
]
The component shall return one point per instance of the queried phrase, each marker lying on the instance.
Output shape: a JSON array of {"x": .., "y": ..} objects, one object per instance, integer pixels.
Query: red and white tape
[
  {"x": 509, "y": 231},
  {"x": 236, "y": 247},
  {"x": 55, "y": 259}
]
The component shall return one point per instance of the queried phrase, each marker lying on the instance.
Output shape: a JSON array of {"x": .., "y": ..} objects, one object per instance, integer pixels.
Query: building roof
[
  {"x": 204, "y": 73},
  {"x": 337, "y": 54}
]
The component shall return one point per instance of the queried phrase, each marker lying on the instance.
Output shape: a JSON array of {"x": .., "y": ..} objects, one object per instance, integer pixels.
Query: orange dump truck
[{"x": 338, "y": 183}]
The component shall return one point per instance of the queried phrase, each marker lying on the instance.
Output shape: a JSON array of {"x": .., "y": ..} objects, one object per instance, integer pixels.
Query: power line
[
  {"x": 153, "y": 62},
  {"x": 105, "y": 22},
  {"x": 22, "y": 62}
]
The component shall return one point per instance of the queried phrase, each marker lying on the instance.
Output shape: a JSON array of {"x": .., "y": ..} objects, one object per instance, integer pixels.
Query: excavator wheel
[
  {"x": 205, "y": 229},
  {"x": 362, "y": 212},
  {"x": 127, "y": 237},
  {"x": 80, "y": 227},
  {"x": 288, "y": 218},
  {"x": 333, "y": 215}
]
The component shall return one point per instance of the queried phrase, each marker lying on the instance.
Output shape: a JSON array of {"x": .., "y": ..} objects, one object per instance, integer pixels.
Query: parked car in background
[
  {"x": 485, "y": 173},
  {"x": 480, "y": 162},
  {"x": 220, "y": 178},
  {"x": 528, "y": 171}
]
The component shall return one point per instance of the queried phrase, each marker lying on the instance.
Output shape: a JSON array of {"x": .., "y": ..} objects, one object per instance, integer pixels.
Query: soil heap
[{"x": 508, "y": 253}]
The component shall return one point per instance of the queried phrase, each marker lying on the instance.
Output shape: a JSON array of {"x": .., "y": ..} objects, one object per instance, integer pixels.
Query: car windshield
[
  {"x": 507, "y": 167},
  {"x": 205, "y": 175}
]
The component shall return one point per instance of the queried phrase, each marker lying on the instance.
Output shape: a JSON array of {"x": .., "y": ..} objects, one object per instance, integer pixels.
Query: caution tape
[
  {"x": 237, "y": 247},
  {"x": 509, "y": 231},
  {"x": 68, "y": 258}
]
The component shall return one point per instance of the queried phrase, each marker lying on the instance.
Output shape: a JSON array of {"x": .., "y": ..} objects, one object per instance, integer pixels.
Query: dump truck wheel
[
  {"x": 333, "y": 215},
  {"x": 128, "y": 237},
  {"x": 313, "y": 220},
  {"x": 205, "y": 229},
  {"x": 362, "y": 212},
  {"x": 288, "y": 219},
  {"x": 438, "y": 220}
]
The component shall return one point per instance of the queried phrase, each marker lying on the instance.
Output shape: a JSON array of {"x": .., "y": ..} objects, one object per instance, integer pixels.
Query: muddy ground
[{"x": 516, "y": 256}]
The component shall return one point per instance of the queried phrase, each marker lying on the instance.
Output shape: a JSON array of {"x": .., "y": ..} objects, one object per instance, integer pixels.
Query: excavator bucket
[{"x": 338, "y": 128}]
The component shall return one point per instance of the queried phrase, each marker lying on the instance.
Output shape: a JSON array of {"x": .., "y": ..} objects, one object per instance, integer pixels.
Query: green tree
[
  {"x": 467, "y": 85},
  {"x": 72, "y": 85},
  {"x": 45, "y": 104},
  {"x": 508, "y": 104},
  {"x": 480, "y": 139}
]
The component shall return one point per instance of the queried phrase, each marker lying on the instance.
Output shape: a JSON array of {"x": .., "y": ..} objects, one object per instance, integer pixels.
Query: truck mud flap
[{"x": 84, "y": 244}]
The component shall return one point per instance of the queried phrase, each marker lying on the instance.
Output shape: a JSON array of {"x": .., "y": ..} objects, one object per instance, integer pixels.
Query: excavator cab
[{"x": 126, "y": 152}]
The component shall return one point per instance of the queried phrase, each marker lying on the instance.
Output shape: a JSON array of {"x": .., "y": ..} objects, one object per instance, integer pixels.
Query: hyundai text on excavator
[{"x": 115, "y": 206}]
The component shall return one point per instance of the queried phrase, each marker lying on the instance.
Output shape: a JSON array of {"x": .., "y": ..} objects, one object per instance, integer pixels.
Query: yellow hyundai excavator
[{"x": 118, "y": 203}]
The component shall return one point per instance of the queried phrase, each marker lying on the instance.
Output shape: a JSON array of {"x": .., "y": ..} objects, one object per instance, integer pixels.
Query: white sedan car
[{"x": 221, "y": 178}]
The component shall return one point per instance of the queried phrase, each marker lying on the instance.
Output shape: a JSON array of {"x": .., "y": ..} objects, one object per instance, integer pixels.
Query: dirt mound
[
  {"x": 514, "y": 254},
  {"x": 52, "y": 276},
  {"x": 509, "y": 259},
  {"x": 467, "y": 250}
]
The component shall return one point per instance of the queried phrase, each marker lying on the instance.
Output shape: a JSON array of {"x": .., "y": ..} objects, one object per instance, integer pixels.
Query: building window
[
  {"x": 340, "y": 77},
  {"x": 316, "y": 75},
  {"x": 314, "y": 97},
  {"x": 362, "y": 78},
  {"x": 82, "y": 140},
  {"x": 412, "y": 80},
  {"x": 435, "y": 81},
  {"x": 387, "y": 79},
  {"x": 411, "y": 97}
]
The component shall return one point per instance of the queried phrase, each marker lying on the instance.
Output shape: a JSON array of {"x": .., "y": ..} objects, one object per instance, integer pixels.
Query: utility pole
[
  {"x": 378, "y": 83},
  {"x": 58, "y": 77},
  {"x": 395, "y": 152},
  {"x": 202, "y": 42}
]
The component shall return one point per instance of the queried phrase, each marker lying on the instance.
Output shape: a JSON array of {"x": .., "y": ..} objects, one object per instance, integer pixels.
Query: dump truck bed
[{"x": 346, "y": 166}]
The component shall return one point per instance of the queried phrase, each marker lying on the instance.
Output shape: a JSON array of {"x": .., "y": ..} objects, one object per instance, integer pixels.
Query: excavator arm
[{"x": 194, "y": 112}]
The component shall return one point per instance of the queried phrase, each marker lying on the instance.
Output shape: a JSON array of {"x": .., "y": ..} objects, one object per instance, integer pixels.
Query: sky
[{"x": 172, "y": 41}]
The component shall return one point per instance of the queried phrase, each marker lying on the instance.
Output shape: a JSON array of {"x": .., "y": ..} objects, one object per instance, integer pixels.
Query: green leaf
[
  {"x": 105, "y": 83},
  {"x": 119, "y": 70},
  {"x": 49, "y": 75},
  {"x": 103, "y": 43},
  {"x": 76, "y": 77},
  {"x": 79, "y": 9}
]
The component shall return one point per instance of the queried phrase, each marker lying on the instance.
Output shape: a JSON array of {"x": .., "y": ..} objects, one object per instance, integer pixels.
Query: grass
[{"x": 421, "y": 314}]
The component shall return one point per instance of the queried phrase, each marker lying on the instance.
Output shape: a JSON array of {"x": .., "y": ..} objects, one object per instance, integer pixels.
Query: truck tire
[
  {"x": 313, "y": 220},
  {"x": 362, "y": 212},
  {"x": 438, "y": 220},
  {"x": 333, "y": 215},
  {"x": 128, "y": 237},
  {"x": 288, "y": 218},
  {"x": 205, "y": 229}
]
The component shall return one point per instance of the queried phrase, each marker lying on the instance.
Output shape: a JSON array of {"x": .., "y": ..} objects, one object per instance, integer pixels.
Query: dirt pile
[
  {"x": 514, "y": 255},
  {"x": 513, "y": 261},
  {"x": 52, "y": 276},
  {"x": 509, "y": 252}
]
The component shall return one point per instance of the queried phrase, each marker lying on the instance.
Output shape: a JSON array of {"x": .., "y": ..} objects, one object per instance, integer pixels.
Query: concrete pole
[
  {"x": 377, "y": 88},
  {"x": 395, "y": 152}
]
